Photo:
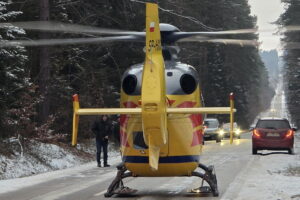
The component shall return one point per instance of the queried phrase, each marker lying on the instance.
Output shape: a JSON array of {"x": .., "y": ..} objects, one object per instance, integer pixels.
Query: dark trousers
[{"x": 101, "y": 144}]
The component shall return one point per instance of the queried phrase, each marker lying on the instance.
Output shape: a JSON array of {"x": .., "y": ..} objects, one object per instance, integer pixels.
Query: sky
[{"x": 267, "y": 11}]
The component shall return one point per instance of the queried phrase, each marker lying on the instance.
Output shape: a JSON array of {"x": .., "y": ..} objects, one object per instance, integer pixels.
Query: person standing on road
[{"x": 102, "y": 128}]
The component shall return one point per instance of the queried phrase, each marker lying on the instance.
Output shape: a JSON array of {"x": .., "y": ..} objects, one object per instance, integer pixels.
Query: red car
[{"x": 273, "y": 134}]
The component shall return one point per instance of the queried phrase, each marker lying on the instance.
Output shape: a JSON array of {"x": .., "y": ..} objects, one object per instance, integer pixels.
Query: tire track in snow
[{"x": 239, "y": 181}]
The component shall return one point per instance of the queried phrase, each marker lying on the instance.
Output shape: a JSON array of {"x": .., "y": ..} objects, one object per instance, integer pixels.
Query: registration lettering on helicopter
[{"x": 154, "y": 45}]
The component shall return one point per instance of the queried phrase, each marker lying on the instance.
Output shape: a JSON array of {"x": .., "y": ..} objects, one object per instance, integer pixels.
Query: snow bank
[
  {"x": 38, "y": 157},
  {"x": 10, "y": 185}
]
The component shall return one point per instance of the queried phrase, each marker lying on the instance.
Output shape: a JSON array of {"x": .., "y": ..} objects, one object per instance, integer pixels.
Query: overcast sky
[{"x": 267, "y": 11}]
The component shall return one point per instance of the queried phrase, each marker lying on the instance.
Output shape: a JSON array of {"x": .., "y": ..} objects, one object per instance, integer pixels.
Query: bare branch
[{"x": 193, "y": 19}]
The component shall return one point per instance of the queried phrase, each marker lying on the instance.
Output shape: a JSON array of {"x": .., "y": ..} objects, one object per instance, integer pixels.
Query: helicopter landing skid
[
  {"x": 117, "y": 186},
  {"x": 210, "y": 177}
]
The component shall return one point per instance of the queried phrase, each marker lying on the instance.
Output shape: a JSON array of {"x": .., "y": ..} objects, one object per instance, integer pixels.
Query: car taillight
[
  {"x": 289, "y": 134},
  {"x": 256, "y": 133}
]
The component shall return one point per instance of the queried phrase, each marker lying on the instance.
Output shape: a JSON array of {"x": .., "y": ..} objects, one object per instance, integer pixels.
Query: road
[
  {"x": 235, "y": 168},
  {"x": 278, "y": 105},
  {"x": 229, "y": 161}
]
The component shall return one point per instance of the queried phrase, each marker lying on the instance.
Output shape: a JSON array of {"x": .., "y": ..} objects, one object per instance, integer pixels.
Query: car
[
  {"x": 273, "y": 134},
  {"x": 225, "y": 130},
  {"x": 212, "y": 129}
]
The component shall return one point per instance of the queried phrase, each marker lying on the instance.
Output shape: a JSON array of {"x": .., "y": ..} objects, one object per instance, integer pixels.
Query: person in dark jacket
[{"x": 101, "y": 128}]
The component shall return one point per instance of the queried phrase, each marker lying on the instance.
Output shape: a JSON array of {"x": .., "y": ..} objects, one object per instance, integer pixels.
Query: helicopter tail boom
[{"x": 154, "y": 103}]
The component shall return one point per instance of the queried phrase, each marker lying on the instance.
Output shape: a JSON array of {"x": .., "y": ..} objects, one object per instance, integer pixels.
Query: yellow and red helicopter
[{"x": 161, "y": 113}]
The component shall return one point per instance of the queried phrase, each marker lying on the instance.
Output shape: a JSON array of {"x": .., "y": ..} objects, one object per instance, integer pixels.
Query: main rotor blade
[
  {"x": 291, "y": 45},
  {"x": 217, "y": 33},
  {"x": 228, "y": 32},
  {"x": 51, "y": 26},
  {"x": 242, "y": 43},
  {"x": 181, "y": 35},
  {"x": 283, "y": 29},
  {"x": 71, "y": 41},
  {"x": 222, "y": 41},
  {"x": 291, "y": 28}
]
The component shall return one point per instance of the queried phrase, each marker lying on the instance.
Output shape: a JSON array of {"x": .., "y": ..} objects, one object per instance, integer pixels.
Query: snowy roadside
[
  {"x": 19, "y": 183},
  {"x": 41, "y": 157},
  {"x": 269, "y": 175}
]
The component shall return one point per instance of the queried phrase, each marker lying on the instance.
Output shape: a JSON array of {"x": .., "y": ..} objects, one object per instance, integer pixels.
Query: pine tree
[
  {"x": 13, "y": 77},
  {"x": 291, "y": 17},
  {"x": 223, "y": 68},
  {"x": 94, "y": 71}
]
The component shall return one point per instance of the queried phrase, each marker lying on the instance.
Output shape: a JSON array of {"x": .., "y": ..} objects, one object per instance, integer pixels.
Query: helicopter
[{"x": 161, "y": 112}]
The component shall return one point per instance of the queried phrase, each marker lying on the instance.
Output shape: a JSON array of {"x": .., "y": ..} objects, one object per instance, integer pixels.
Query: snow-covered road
[
  {"x": 270, "y": 175},
  {"x": 90, "y": 182},
  {"x": 241, "y": 175}
]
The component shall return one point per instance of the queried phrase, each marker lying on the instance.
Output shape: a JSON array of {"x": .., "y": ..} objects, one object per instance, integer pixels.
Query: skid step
[
  {"x": 202, "y": 190},
  {"x": 125, "y": 191}
]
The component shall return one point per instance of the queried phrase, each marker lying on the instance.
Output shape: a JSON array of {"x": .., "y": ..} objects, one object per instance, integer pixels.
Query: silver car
[{"x": 211, "y": 129}]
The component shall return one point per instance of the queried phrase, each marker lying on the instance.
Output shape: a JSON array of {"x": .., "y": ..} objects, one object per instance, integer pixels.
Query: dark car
[{"x": 273, "y": 134}]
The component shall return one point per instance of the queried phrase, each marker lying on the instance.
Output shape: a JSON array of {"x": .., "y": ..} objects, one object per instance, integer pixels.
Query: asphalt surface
[{"x": 229, "y": 161}]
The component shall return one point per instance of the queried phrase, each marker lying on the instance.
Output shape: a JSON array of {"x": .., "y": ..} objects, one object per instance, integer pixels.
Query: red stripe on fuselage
[
  {"x": 196, "y": 120},
  {"x": 123, "y": 123},
  {"x": 123, "y": 138},
  {"x": 197, "y": 138}
]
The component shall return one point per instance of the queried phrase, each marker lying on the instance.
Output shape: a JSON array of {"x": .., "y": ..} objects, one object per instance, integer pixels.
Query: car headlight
[
  {"x": 238, "y": 131},
  {"x": 221, "y": 132}
]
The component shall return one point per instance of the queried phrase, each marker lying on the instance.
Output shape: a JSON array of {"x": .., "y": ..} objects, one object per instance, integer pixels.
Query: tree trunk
[{"x": 44, "y": 75}]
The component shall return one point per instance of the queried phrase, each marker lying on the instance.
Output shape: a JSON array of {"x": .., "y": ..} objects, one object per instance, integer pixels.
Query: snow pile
[
  {"x": 54, "y": 156},
  {"x": 39, "y": 157}
]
